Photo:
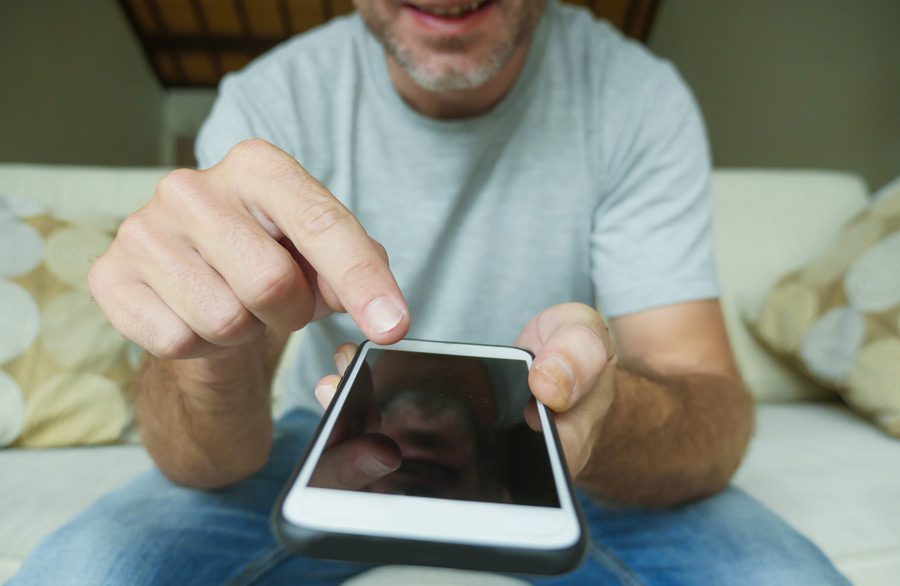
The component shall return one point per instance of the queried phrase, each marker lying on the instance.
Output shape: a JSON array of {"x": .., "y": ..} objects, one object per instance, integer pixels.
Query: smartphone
[{"x": 479, "y": 486}]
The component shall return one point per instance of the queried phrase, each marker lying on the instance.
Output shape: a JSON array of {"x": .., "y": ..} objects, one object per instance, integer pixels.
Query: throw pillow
[
  {"x": 64, "y": 372},
  {"x": 838, "y": 318}
]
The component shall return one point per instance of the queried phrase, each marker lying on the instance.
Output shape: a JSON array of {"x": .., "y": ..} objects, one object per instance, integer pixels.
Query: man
[{"x": 519, "y": 160}]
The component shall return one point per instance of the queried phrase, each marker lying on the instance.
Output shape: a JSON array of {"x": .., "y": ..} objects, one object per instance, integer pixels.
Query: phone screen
[{"x": 457, "y": 423}]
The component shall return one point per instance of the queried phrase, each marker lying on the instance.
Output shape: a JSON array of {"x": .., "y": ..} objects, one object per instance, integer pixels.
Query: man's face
[{"x": 451, "y": 44}]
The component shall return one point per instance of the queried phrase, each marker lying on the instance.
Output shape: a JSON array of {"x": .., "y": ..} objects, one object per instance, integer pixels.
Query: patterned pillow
[
  {"x": 838, "y": 318},
  {"x": 64, "y": 372}
]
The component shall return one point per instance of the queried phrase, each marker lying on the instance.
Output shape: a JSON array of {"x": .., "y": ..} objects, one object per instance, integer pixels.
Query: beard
[{"x": 444, "y": 65}]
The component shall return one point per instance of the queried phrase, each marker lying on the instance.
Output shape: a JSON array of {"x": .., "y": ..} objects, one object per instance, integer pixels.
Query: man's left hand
[{"x": 573, "y": 374}]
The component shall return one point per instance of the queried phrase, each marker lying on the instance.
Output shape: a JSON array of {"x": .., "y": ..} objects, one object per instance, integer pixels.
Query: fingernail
[
  {"x": 562, "y": 375},
  {"x": 342, "y": 361},
  {"x": 323, "y": 393},
  {"x": 382, "y": 315},
  {"x": 375, "y": 467}
]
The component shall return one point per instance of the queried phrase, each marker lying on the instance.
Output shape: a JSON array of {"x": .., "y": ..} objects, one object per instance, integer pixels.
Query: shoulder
[
  {"x": 606, "y": 59},
  {"x": 633, "y": 101}
]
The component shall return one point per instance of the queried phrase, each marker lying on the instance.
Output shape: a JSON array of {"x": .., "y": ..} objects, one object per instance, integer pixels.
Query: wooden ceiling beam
[{"x": 211, "y": 43}]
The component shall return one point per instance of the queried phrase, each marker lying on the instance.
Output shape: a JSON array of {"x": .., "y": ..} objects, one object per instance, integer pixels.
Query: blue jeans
[{"x": 151, "y": 531}]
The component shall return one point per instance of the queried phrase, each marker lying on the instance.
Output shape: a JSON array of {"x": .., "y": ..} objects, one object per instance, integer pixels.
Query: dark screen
[{"x": 456, "y": 423}]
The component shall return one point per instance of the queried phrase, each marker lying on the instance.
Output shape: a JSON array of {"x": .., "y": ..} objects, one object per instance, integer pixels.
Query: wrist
[{"x": 216, "y": 382}]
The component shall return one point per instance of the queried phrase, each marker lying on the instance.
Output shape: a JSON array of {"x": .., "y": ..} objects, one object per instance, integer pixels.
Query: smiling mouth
[{"x": 450, "y": 11}]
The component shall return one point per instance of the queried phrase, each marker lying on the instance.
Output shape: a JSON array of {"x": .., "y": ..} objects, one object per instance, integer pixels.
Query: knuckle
[
  {"x": 589, "y": 316},
  {"x": 175, "y": 344},
  {"x": 178, "y": 184},
  {"x": 230, "y": 322},
  {"x": 249, "y": 151},
  {"x": 134, "y": 228},
  {"x": 583, "y": 311},
  {"x": 593, "y": 343},
  {"x": 362, "y": 272},
  {"x": 272, "y": 286},
  {"x": 381, "y": 250},
  {"x": 321, "y": 217}
]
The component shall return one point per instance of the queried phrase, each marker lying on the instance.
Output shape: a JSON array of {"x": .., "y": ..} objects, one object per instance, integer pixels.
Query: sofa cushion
[
  {"x": 834, "y": 477},
  {"x": 78, "y": 192},
  {"x": 837, "y": 318},
  {"x": 42, "y": 489},
  {"x": 59, "y": 354},
  {"x": 768, "y": 223}
]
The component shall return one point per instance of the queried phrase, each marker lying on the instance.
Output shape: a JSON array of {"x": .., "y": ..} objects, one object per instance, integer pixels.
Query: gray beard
[{"x": 448, "y": 79}]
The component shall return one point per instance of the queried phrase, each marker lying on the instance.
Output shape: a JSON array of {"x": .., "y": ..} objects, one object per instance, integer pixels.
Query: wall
[
  {"x": 792, "y": 83},
  {"x": 184, "y": 110},
  {"x": 75, "y": 86},
  {"x": 808, "y": 83}
]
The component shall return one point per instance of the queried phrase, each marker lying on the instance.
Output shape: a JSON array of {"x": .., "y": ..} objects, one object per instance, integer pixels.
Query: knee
[
  {"x": 746, "y": 543},
  {"x": 805, "y": 565},
  {"x": 95, "y": 548}
]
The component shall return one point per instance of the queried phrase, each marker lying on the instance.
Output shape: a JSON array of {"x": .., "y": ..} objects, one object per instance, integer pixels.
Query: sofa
[{"x": 829, "y": 472}]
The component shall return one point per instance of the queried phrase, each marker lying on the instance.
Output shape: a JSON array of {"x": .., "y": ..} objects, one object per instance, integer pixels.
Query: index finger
[
  {"x": 357, "y": 462},
  {"x": 273, "y": 184}
]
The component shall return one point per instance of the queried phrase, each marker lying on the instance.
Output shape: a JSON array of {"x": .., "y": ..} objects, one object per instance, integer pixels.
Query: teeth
[{"x": 452, "y": 11}]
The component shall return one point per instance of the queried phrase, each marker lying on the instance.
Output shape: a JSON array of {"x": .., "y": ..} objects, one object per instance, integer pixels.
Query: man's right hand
[
  {"x": 217, "y": 256},
  {"x": 216, "y": 259}
]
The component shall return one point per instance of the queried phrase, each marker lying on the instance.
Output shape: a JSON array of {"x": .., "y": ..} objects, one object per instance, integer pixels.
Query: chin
[
  {"x": 447, "y": 79},
  {"x": 440, "y": 71}
]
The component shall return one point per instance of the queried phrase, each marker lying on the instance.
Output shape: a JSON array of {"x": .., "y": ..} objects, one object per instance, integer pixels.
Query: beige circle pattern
[
  {"x": 20, "y": 320},
  {"x": 76, "y": 216},
  {"x": 889, "y": 203},
  {"x": 782, "y": 329},
  {"x": 851, "y": 343},
  {"x": 77, "y": 335},
  {"x": 75, "y": 407},
  {"x": 65, "y": 378},
  {"x": 21, "y": 207},
  {"x": 873, "y": 282},
  {"x": 831, "y": 343},
  {"x": 71, "y": 250},
  {"x": 875, "y": 378},
  {"x": 12, "y": 410},
  {"x": 855, "y": 238},
  {"x": 21, "y": 247}
]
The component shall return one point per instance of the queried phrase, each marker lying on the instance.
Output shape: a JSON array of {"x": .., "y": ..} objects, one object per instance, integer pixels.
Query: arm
[
  {"x": 207, "y": 421},
  {"x": 681, "y": 418},
  {"x": 659, "y": 419}
]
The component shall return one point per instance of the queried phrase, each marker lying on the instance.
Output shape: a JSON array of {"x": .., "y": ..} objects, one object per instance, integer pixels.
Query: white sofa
[{"x": 831, "y": 474}]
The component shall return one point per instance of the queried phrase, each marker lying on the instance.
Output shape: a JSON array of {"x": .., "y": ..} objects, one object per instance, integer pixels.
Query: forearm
[
  {"x": 669, "y": 439},
  {"x": 207, "y": 421}
]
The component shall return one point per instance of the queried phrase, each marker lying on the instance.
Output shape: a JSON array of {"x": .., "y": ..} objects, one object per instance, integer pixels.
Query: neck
[{"x": 457, "y": 104}]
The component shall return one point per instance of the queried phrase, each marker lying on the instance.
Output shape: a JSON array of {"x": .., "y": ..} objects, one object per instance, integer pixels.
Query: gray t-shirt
[{"x": 589, "y": 182}]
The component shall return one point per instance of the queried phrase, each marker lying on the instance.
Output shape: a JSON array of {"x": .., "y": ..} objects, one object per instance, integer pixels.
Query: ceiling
[{"x": 193, "y": 43}]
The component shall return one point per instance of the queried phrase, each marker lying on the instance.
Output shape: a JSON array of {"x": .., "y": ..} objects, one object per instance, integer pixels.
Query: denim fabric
[{"x": 151, "y": 531}]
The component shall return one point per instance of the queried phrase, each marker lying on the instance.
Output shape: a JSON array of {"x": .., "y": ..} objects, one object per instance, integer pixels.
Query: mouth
[{"x": 449, "y": 11}]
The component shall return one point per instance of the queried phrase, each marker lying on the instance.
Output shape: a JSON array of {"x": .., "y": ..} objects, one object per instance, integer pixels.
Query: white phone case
[{"x": 399, "y": 529}]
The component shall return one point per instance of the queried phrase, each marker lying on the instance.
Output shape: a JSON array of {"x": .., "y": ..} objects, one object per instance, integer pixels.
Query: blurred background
[{"x": 782, "y": 83}]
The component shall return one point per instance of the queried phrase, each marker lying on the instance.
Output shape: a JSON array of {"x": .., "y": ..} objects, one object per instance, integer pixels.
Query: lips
[{"x": 445, "y": 10}]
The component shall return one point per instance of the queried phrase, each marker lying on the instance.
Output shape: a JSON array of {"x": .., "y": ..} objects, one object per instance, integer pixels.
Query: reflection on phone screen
[{"x": 456, "y": 423}]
